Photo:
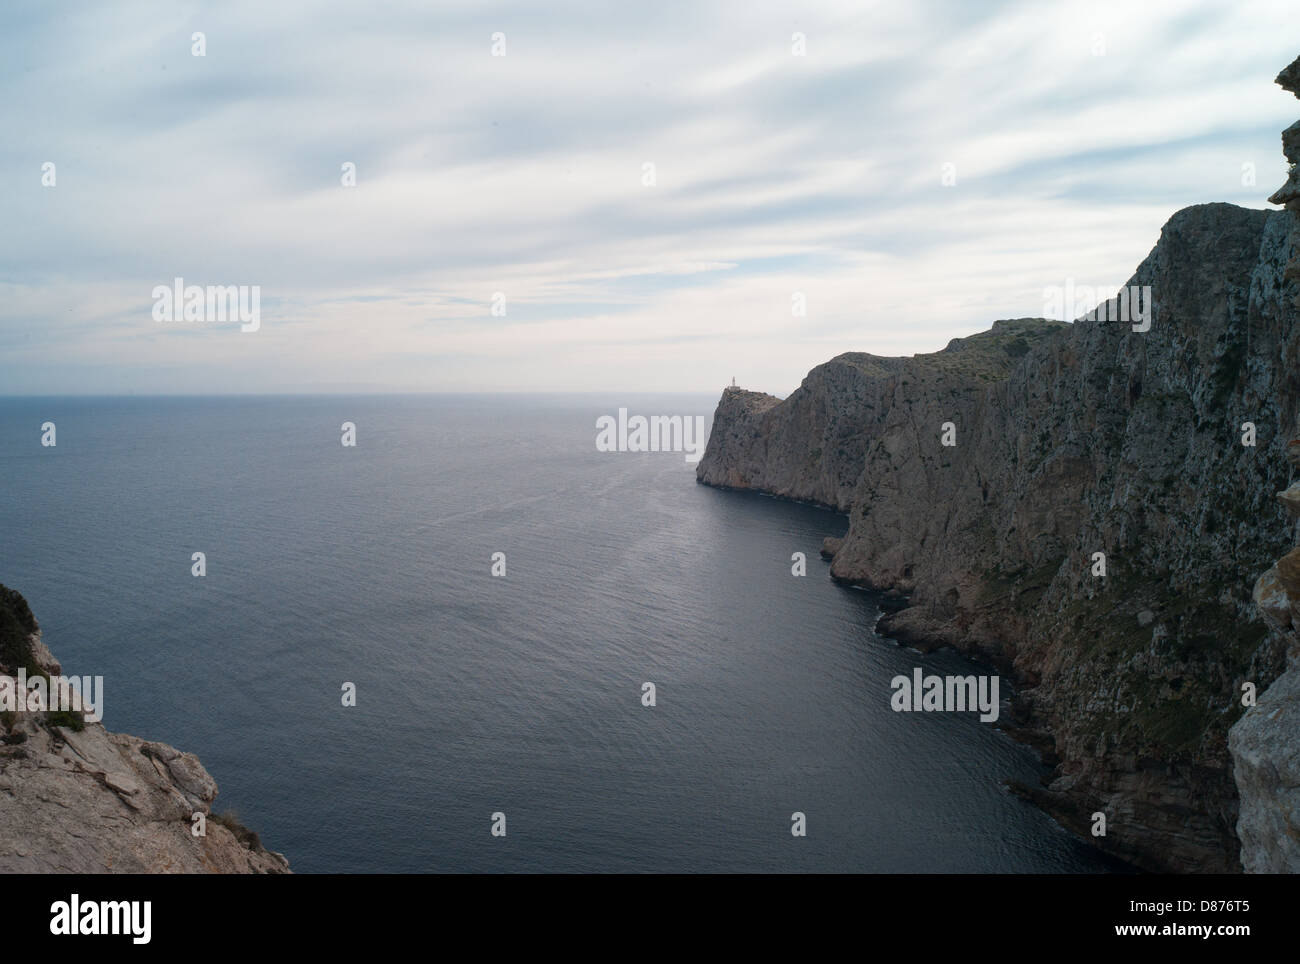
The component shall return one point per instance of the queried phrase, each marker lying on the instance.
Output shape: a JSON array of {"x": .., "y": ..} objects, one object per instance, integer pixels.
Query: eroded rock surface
[{"x": 90, "y": 801}]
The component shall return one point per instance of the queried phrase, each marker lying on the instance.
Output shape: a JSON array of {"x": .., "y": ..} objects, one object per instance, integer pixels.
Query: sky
[{"x": 594, "y": 197}]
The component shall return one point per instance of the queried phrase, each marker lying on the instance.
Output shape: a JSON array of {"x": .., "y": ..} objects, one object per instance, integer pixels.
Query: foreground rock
[
  {"x": 1073, "y": 440},
  {"x": 89, "y": 801}
]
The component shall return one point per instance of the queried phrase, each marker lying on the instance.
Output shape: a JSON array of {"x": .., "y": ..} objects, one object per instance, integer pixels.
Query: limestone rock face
[
  {"x": 1289, "y": 193},
  {"x": 1074, "y": 440},
  {"x": 1290, "y": 499},
  {"x": 1273, "y": 601},
  {"x": 813, "y": 449},
  {"x": 1288, "y": 572},
  {"x": 90, "y": 801},
  {"x": 1265, "y": 746},
  {"x": 811, "y": 446},
  {"x": 830, "y": 546},
  {"x": 1265, "y": 742}
]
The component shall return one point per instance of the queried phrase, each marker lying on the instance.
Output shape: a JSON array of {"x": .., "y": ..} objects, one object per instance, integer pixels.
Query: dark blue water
[{"x": 478, "y": 694}]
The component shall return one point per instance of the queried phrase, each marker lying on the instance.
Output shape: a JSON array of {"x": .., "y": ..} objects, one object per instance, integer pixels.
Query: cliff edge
[
  {"x": 1265, "y": 742},
  {"x": 75, "y": 798},
  {"x": 981, "y": 483}
]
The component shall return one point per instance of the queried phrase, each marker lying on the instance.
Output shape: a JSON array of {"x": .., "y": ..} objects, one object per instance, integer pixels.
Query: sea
[{"x": 497, "y": 593}]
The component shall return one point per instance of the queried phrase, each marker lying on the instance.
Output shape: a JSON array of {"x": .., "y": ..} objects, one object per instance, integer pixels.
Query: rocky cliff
[
  {"x": 75, "y": 798},
  {"x": 1162, "y": 449},
  {"x": 1265, "y": 742}
]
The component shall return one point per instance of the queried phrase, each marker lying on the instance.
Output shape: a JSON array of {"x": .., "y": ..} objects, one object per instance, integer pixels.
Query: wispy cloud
[{"x": 1073, "y": 130}]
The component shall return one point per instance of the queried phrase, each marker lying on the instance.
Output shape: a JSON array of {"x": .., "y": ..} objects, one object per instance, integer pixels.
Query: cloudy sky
[{"x": 1069, "y": 133}]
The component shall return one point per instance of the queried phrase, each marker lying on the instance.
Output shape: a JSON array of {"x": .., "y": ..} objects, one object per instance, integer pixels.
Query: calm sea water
[{"x": 478, "y": 694}]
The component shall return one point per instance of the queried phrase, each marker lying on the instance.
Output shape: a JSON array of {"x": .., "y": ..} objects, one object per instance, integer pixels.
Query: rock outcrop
[
  {"x": 1161, "y": 449},
  {"x": 75, "y": 798},
  {"x": 812, "y": 446},
  {"x": 1266, "y": 756},
  {"x": 1288, "y": 194},
  {"x": 1265, "y": 742}
]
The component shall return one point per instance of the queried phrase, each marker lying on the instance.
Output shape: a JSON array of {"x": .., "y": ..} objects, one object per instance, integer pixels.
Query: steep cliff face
[
  {"x": 1265, "y": 746},
  {"x": 1265, "y": 742},
  {"x": 1095, "y": 439},
  {"x": 75, "y": 798},
  {"x": 813, "y": 445}
]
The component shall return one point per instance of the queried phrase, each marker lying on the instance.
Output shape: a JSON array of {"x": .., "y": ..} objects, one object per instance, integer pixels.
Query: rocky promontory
[
  {"x": 75, "y": 798},
  {"x": 1088, "y": 506}
]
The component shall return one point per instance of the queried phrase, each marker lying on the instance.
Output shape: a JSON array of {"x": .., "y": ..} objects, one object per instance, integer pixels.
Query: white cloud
[{"x": 522, "y": 174}]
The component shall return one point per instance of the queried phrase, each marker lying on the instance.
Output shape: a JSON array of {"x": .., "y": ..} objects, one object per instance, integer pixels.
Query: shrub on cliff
[
  {"x": 231, "y": 822},
  {"x": 16, "y": 626}
]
